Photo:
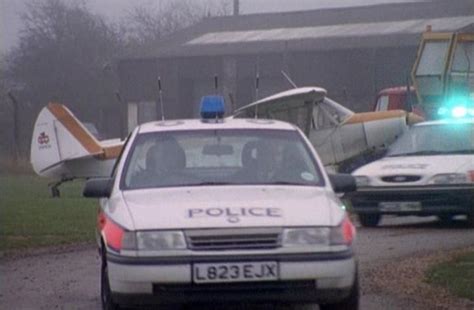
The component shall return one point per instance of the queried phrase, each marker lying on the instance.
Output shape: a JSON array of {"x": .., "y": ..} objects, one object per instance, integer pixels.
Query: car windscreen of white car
[
  {"x": 435, "y": 139},
  {"x": 219, "y": 157}
]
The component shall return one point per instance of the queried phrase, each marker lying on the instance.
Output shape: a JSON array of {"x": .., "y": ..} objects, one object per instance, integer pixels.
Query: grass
[
  {"x": 456, "y": 275},
  {"x": 30, "y": 217}
]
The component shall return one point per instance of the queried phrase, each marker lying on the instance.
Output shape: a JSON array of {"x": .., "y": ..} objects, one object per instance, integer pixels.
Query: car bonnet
[{"x": 232, "y": 206}]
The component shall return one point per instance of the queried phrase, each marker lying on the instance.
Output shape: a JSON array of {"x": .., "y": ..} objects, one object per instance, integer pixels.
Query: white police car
[
  {"x": 223, "y": 210},
  {"x": 429, "y": 170}
]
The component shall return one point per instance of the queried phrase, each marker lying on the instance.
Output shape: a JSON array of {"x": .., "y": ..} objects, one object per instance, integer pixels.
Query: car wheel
[
  {"x": 105, "y": 293},
  {"x": 369, "y": 220},
  {"x": 445, "y": 218},
  {"x": 470, "y": 219},
  {"x": 349, "y": 303}
]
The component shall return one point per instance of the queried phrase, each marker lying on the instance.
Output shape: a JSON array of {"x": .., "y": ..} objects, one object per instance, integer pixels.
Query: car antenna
[
  {"x": 287, "y": 77},
  {"x": 257, "y": 84},
  {"x": 216, "y": 84},
  {"x": 160, "y": 93},
  {"x": 408, "y": 102}
]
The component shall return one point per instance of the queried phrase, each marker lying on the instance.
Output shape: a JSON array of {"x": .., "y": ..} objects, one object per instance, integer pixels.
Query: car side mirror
[
  {"x": 343, "y": 183},
  {"x": 98, "y": 188}
]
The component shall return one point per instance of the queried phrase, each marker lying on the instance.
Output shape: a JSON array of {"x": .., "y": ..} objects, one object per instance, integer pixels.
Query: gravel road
[{"x": 69, "y": 279}]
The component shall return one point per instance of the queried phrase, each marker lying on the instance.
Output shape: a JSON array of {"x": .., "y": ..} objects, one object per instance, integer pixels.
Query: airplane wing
[
  {"x": 63, "y": 148},
  {"x": 294, "y": 106}
]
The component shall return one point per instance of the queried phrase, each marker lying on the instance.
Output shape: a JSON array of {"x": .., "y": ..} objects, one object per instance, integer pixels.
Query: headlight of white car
[
  {"x": 449, "y": 178},
  {"x": 362, "y": 180},
  {"x": 160, "y": 240},
  {"x": 343, "y": 234},
  {"x": 306, "y": 236}
]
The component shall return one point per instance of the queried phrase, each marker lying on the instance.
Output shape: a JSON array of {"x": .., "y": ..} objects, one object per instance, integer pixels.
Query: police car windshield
[
  {"x": 436, "y": 139},
  {"x": 220, "y": 157}
]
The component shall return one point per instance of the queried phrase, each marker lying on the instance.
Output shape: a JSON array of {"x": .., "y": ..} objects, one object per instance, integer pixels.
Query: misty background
[{"x": 68, "y": 51}]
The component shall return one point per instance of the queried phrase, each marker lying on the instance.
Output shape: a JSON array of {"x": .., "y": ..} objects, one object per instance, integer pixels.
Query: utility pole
[{"x": 236, "y": 7}]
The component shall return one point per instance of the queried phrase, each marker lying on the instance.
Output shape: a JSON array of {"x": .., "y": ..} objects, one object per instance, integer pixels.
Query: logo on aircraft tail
[
  {"x": 43, "y": 138},
  {"x": 43, "y": 141}
]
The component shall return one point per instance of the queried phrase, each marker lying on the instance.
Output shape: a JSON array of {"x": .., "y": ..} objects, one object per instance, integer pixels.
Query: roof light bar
[{"x": 212, "y": 107}]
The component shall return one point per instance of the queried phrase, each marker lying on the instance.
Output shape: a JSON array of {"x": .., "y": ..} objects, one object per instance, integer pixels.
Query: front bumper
[
  {"x": 434, "y": 200},
  {"x": 303, "y": 278}
]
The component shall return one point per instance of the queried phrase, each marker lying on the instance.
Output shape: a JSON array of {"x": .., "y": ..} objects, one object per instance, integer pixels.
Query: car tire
[
  {"x": 369, "y": 220},
  {"x": 351, "y": 302},
  {"x": 445, "y": 219},
  {"x": 470, "y": 219},
  {"x": 105, "y": 293}
]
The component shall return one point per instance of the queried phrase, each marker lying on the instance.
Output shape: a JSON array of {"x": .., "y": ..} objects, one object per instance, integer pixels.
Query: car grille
[
  {"x": 401, "y": 178},
  {"x": 233, "y": 239}
]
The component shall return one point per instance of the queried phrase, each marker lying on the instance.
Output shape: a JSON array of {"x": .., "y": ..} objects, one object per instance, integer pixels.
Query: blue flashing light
[{"x": 212, "y": 107}]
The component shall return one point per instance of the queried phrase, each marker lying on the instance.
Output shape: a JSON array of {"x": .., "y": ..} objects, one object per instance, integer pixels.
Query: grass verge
[
  {"x": 30, "y": 217},
  {"x": 457, "y": 275}
]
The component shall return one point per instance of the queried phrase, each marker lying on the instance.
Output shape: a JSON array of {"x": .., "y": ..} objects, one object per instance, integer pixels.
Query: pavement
[{"x": 69, "y": 279}]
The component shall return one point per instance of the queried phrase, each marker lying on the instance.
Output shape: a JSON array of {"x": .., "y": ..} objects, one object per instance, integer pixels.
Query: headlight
[
  {"x": 306, "y": 236},
  {"x": 160, "y": 240},
  {"x": 343, "y": 234},
  {"x": 362, "y": 180},
  {"x": 449, "y": 178}
]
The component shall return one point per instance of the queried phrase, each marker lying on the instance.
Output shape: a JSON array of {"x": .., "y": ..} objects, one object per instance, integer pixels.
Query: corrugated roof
[
  {"x": 397, "y": 24},
  {"x": 333, "y": 31}
]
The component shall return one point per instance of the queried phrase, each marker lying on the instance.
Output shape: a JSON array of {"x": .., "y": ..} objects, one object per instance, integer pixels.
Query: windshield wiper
[
  {"x": 432, "y": 152},
  {"x": 209, "y": 183},
  {"x": 285, "y": 183},
  {"x": 466, "y": 151}
]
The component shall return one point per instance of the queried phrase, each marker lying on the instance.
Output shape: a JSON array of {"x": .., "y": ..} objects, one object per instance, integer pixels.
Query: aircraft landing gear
[{"x": 55, "y": 192}]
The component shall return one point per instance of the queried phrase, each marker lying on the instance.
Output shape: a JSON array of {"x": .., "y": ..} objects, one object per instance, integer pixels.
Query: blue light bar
[{"x": 212, "y": 107}]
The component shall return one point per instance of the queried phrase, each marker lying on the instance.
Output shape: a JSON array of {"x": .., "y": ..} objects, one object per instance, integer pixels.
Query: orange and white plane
[
  {"x": 63, "y": 149},
  {"x": 337, "y": 133}
]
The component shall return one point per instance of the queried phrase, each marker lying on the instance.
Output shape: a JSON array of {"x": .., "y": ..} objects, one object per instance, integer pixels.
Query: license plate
[
  {"x": 235, "y": 272},
  {"x": 400, "y": 206}
]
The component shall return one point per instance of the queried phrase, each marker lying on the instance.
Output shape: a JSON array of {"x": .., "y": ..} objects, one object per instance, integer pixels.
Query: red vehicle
[{"x": 395, "y": 98}]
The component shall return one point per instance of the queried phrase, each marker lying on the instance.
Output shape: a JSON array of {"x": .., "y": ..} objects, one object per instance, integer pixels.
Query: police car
[
  {"x": 223, "y": 210},
  {"x": 429, "y": 170}
]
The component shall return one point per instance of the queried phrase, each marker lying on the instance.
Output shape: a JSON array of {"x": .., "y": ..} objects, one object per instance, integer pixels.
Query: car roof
[
  {"x": 446, "y": 122},
  {"x": 226, "y": 123}
]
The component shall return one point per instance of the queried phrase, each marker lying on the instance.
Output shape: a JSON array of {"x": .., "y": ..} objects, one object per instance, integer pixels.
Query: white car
[
  {"x": 429, "y": 170},
  {"x": 223, "y": 210}
]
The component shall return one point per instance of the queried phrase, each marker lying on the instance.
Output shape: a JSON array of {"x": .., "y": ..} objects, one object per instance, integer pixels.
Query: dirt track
[{"x": 69, "y": 279}]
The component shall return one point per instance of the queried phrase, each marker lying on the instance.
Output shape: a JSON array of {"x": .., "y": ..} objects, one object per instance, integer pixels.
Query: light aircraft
[{"x": 63, "y": 149}]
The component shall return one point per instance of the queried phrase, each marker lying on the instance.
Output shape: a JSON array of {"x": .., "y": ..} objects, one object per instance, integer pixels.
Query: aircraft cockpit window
[{"x": 327, "y": 114}]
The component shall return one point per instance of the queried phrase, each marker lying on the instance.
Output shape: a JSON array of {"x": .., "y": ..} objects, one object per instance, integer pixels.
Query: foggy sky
[{"x": 10, "y": 22}]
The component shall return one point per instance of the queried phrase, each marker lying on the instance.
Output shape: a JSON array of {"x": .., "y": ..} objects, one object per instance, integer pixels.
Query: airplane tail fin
[{"x": 59, "y": 136}]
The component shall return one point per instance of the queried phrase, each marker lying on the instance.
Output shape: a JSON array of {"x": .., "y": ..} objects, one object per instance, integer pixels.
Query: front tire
[
  {"x": 105, "y": 292},
  {"x": 351, "y": 302},
  {"x": 369, "y": 220},
  {"x": 470, "y": 219}
]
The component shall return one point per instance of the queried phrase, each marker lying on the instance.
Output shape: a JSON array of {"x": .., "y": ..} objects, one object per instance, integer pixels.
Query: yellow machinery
[{"x": 443, "y": 74}]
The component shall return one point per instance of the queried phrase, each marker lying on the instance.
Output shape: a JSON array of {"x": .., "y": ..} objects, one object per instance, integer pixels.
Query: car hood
[
  {"x": 418, "y": 165},
  {"x": 232, "y": 206}
]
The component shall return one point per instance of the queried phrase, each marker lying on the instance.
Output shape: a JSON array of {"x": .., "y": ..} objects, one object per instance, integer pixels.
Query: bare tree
[
  {"x": 149, "y": 23},
  {"x": 61, "y": 56}
]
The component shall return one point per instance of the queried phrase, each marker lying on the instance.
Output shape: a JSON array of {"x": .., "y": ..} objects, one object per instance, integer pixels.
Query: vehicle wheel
[
  {"x": 369, "y": 220},
  {"x": 350, "y": 303},
  {"x": 445, "y": 218},
  {"x": 105, "y": 293},
  {"x": 470, "y": 219}
]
